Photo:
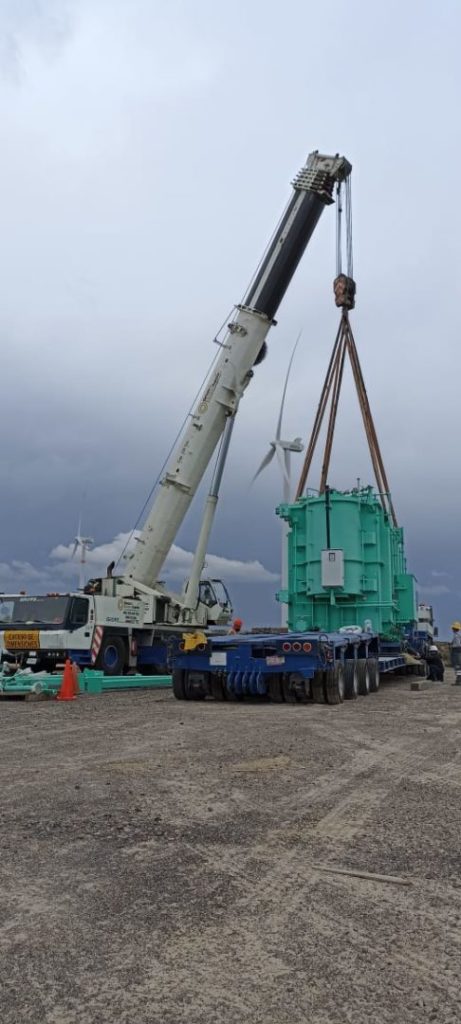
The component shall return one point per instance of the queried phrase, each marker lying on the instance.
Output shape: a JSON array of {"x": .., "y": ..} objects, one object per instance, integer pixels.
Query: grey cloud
[{"x": 147, "y": 155}]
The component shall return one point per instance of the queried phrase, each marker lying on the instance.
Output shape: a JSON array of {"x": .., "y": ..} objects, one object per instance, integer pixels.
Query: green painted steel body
[{"x": 377, "y": 587}]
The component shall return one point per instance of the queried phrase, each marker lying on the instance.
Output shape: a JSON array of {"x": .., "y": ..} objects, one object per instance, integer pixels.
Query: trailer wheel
[
  {"x": 218, "y": 691},
  {"x": 112, "y": 658},
  {"x": 179, "y": 688},
  {"x": 351, "y": 680},
  {"x": 289, "y": 691},
  {"x": 317, "y": 687},
  {"x": 274, "y": 689},
  {"x": 373, "y": 670},
  {"x": 335, "y": 684},
  {"x": 195, "y": 685},
  {"x": 363, "y": 676},
  {"x": 299, "y": 687}
]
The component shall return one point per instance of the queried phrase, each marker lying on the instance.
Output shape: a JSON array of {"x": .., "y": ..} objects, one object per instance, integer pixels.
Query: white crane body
[{"x": 243, "y": 346}]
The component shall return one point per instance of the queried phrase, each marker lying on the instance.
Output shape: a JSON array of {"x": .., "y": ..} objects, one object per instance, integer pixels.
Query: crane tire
[
  {"x": 113, "y": 656},
  {"x": 363, "y": 676}
]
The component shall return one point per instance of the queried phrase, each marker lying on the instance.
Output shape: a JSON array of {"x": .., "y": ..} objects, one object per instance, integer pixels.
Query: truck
[{"x": 132, "y": 621}]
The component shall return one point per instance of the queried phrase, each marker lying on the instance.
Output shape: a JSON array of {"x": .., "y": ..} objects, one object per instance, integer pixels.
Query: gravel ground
[{"x": 163, "y": 863}]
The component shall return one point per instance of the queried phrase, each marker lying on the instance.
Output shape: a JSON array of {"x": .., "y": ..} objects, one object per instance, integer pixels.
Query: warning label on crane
[{"x": 21, "y": 639}]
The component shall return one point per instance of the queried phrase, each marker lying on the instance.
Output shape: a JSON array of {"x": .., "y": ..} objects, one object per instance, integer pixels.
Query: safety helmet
[
  {"x": 238, "y": 624},
  {"x": 433, "y": 648},
  {"x": 456, "y": 626}
]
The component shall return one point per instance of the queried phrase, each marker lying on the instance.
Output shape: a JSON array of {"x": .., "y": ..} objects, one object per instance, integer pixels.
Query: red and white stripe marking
[{"x": 97, "y": 641}]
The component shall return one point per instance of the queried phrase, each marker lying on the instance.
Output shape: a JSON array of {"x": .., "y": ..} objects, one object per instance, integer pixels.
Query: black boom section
[{"x": 284, "y": 253}]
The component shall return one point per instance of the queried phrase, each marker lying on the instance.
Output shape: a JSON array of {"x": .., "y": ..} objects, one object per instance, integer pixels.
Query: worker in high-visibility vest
[{"x": 455, "y": 647}]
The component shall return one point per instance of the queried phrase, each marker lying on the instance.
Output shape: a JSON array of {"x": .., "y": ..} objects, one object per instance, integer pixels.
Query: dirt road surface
[{"x": 161, "y": 863}]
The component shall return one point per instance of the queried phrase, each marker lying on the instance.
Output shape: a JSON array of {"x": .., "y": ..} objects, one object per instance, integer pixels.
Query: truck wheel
[
  {"x": 112, "y": 658},
  {"x": 351, "y": 680},
  {"x": 317, "y": 687},
  {"x": 363, "y": 676},
  {"x": 275, "y": 690},
  {"x": 179, "y": 688},
  {"x": 373, "y": 670},
  {"x": 335, "y": 687}
]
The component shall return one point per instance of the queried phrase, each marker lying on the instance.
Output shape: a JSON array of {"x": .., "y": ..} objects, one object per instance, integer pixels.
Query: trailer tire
[
  {"x": 275, "y": 689},
  {"x": 373, "y": 669},
  {"x": 363, "y": 676},
  {"x": 113, "y": 656},
  {"x": 335, "y": 684},
  {"x": 195, "y": 690},
  {"x": 289, "y": 692},
  {"x": 318, "y": 687},
  {"x": 351, "y": 680},
  {"x": 179, "y": 688},
  {"x": 218, "y": 691}
]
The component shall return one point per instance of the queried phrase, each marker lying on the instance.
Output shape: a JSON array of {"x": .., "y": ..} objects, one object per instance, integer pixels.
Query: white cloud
[
  {"x": 177, "y": 566},
  {"x": 63, "y": 571},
  {"x": 440, "y": 575}
]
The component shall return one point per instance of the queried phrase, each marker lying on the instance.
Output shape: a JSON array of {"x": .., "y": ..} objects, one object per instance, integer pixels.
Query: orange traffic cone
[{"x": 67, "y": 688}]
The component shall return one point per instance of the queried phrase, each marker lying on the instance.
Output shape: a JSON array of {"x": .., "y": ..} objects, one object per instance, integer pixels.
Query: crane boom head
[{"x": 320, "y": 174}]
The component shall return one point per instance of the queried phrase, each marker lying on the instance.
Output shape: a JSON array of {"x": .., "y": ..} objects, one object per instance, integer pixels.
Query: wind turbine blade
[
  {"x": 278, "y": 431},
  {"x": 266, "y": 460},
  {"x": 75, "y": 549}
]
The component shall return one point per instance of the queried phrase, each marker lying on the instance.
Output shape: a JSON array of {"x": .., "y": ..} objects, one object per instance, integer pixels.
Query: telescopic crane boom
[{"x": 243, "y": 346}]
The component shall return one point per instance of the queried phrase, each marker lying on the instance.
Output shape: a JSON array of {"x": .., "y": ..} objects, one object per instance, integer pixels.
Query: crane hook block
[{"x": 344, "y": 289}]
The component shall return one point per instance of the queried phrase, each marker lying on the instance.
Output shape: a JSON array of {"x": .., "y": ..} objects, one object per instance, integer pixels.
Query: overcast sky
[{"x": 147, "y": 153}]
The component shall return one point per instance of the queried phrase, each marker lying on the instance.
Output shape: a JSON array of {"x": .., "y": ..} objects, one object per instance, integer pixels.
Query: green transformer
[{"x": 346, "y": 565}]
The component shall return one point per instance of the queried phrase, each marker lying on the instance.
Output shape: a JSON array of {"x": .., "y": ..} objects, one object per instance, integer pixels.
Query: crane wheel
[
  {"x": 335, "y": 686},
  {"x": 113, "y": 656},
  {"x": 363, "y": 677},
  {"x": 373, "y": 669},
  {"x": 179, "y": 688},
  {"x": 351, "y": 680},
  {"x": 318, "y": 687}
]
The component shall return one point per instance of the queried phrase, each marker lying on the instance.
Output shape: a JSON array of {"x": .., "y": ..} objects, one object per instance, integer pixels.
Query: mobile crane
[{"x": 122, "y": 622}]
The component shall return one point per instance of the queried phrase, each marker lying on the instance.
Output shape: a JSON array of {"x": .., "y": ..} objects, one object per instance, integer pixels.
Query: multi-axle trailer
[{"x": 293, "y": 667}]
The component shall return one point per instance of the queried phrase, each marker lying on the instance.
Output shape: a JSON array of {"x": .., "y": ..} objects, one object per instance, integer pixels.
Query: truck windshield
[{"x": 25, "y": 611}]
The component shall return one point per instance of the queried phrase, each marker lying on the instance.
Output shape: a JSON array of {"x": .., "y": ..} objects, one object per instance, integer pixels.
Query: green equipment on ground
[{"x": 45, "y": 685}]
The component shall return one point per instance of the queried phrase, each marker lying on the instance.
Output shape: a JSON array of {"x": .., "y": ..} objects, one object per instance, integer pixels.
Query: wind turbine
[
  {"x": 85, "y": 544},
  {"x": 283, "y": 451}
]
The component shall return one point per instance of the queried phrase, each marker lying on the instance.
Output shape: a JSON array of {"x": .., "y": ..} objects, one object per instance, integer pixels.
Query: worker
[
  {"x": 455, "y": 647},
  {"x": 434, "y": 664},
  {"x": 236, "y": 626}
]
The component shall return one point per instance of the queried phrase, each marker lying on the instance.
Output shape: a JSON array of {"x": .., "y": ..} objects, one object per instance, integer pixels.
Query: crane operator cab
[{"x": 214, "y": 595}]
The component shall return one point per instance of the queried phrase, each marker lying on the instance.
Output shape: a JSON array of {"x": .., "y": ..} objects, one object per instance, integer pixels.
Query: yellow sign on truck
[{"x": 22, "y": 639}]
